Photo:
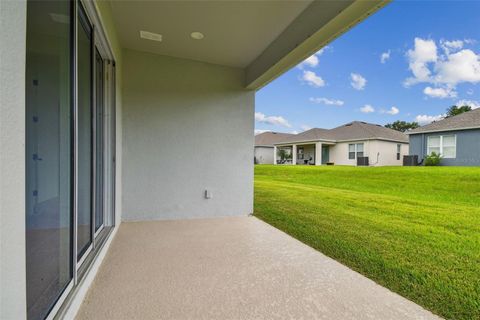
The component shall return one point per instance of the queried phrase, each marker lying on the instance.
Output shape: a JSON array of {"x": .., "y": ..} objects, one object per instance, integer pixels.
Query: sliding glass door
[
  {"x": 85, "y": 134},
  {"x": 70, "y": 150},
  {"x": 49, "y": 218}
]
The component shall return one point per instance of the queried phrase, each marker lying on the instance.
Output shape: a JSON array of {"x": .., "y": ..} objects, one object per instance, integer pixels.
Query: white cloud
[
  {"x": 367, "y": 109},
  {"x": 393, "y": 111},
  {"x": 424, "y": 52},
  {"x": 440, "y": 93},
  {"x": 305, "y": 127},
  {"x": 273, "y": 120},
  {"x": 472, "y": 103},
  {"x": 328, "y": 102},
  {"x": 457, "y": 65},
  {"x": 358, "y": 82},
  {"x": 294, "y": 132},
  {"x": 452, "y": 45},
  {"x": 313, "y": 60},
  {"x": 258, "y": 131},
  {"x": 313, "y": 79},
  {"x": 424, "y": 119},
  {"x": 385, "y": 56}
]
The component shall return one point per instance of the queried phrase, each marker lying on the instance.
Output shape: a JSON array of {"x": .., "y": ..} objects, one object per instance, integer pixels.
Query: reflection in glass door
[
  {"x": 84, "y": 134},
  {"x": 49, "y": 220}
]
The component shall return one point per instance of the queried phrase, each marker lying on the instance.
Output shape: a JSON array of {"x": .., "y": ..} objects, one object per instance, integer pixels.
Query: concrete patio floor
[{"x": 230, "y": 268}]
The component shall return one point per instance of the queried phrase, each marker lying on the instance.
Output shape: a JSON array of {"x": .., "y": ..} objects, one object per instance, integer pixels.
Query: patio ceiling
[{"x": 265, "y": 38}]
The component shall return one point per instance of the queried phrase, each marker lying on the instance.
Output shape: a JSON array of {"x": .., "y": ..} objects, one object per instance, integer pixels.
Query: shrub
[{"x": 433, "y": 159}]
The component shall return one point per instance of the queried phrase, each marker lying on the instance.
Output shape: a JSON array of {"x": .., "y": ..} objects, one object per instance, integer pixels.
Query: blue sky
[{"x": 431, "y": 60}]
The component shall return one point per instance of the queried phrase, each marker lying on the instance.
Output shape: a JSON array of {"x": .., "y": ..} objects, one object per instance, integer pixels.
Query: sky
[{"x": 409, "y": 61}]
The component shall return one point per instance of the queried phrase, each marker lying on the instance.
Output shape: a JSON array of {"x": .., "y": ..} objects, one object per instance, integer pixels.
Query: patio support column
[
  {"x": 318, "y": 154},
  {"x": 294, "y": 154},
  {"x": 275, "y": 154}
]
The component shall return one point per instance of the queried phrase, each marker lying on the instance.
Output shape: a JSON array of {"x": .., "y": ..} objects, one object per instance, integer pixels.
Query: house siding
[
  {"x": 264, "y": 155},
  {"x": 384, "y": 153},
  {"x": 468, "y": 147}
]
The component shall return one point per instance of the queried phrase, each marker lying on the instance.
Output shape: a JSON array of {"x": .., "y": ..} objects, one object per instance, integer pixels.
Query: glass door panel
[
  {"x": 49, "y": 221},
  {"x": 99, "y": 146},
  {"x": 85, "y": 136}
]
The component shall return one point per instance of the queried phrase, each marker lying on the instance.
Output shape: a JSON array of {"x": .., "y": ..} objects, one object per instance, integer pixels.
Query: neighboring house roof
[
  {"x": 355, "y": 130},
  {"x": 270, "y": 138},
  {"x": 466, "y": 120}
]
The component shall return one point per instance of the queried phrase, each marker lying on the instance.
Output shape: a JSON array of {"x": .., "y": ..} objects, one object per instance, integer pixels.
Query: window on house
[
  {"x": 359, "y": 150},
  {"x": 399, "y": 149},
  {"x": 355, "y": 149},
  {"x": 449, "y": 146},
  {"x": 351, "y": 151},
  {"x": 444, "y": 145},
  {"x": 433, "y": 144}
]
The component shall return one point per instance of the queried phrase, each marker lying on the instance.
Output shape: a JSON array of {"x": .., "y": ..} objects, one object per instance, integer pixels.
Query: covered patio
[
  {"x": 150, "y": 106},
  {"x": 307, "y": 153},
  {"x": 230, "y": 268}
]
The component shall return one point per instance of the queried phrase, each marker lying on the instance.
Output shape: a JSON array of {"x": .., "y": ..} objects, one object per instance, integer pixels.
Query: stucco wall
[
  {"x": 384, "y": 153},
  {"x": 380, "y": 153},
  {"x": 468, "y": 147},
  {"x": 12, "y": 159},
  {"x": 264, "y": 155},
  {"x": 187, "y": 128},
  {"x": 339, "y": 153}
]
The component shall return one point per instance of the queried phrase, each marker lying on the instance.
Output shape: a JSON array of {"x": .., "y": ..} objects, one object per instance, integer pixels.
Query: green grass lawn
[{"x": 414, "y": 230}]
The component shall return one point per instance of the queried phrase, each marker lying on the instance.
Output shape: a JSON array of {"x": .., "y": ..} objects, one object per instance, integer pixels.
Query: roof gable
[{"x": 270, "y": 138}]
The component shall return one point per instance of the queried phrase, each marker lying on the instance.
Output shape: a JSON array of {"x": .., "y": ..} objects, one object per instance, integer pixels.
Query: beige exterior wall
[
  {"x": 380, "y": 153},
  {"x": 339, "y": 153},
  {"x": 387, "y": 153},
  {"x": 187, "y": 128},
  {"x": 264, "y": 155}
]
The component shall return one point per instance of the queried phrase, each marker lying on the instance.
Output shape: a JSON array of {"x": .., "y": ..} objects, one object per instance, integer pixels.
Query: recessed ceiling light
[
  {"x": 150, "y": 36},
  {"x": 197, "y": 35}
]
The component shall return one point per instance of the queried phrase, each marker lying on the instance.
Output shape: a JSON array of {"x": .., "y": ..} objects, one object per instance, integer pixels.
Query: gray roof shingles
[
  {"x": 466, "y": 120},
  {"x": 355, "y": 130},
  {"x": 270, "y": 138}
]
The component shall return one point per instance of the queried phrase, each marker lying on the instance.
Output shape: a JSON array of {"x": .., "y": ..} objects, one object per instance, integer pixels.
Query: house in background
[
  {"x": 264, "y": 145},
  {"x": 456, "y": 138},
  {"x": 350, "y": 144}
]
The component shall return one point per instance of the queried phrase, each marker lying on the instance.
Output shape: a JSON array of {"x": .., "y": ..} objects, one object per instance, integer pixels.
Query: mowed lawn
[{"x": 414, "y": 230}]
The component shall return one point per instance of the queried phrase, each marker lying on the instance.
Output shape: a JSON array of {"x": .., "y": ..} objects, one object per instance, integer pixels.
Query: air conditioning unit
[
  {"x": 362, "y": 161},
  {"x": 410, "y": 160}
]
